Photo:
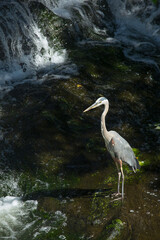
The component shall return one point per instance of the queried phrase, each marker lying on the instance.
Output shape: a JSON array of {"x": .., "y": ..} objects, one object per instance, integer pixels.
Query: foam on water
[
  {"x": 20, "y": 219},
  {"x": 25, "y": 66},
  {"x": 24, "y": 50},
  {"x": 14, "y": 214},
  {"x": 63, "y": 4},
  {"x": 135, "y": 29}
]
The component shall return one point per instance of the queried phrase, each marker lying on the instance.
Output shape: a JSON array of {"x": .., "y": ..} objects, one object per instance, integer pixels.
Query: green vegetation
[{"x": 155, "y": 1}]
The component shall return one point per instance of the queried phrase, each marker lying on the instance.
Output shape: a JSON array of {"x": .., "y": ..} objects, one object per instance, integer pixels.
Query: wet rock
[
  {"x": 60, "y": 150},
  {"x": 49, "y": 204}
]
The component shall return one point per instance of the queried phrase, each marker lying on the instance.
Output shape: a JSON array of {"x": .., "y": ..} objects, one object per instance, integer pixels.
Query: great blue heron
[{"x": 118, "y": 147}]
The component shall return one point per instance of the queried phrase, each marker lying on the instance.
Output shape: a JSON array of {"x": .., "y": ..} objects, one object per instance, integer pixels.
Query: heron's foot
[
  {"x": 116, "y": 199},
  {"x": 116, "y": 194}
]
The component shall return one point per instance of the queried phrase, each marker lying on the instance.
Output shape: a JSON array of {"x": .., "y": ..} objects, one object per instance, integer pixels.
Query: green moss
[
  {"x": 151, "y": 161},
  {"x": 50, "y": 24},
  {"x": 157, "y": 126},
  {"x": 114, "y": 229},
  {"x": 55, "y": 222},
  {"x": 92, "y": 70},
  {"x": 136, "y": 151},
  {"x": 49, "y": 116},
  {"x": 110, "y": 179},
  {"x": 122, "y": 67},
  {"x": 44, "y": 181},
  {"x": 155, "y": 1},
  {"x": 101, "y": 206},
  {"x": 115, "y": 224}
]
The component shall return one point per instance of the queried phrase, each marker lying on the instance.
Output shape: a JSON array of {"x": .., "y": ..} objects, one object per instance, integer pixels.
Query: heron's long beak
[{"x": 91, "y": 107}]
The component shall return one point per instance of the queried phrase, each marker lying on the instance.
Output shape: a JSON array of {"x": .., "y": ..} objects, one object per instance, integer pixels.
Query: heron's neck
[{"x": 104, "y": 131}]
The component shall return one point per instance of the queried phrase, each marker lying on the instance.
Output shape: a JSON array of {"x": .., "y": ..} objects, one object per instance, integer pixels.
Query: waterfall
[
  {"x": 137, "y": 29},
  {"x": 25, "y": 50}
]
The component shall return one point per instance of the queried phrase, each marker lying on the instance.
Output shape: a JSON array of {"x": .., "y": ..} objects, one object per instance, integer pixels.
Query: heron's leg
[
  {"x": 122, "y": 182},
  {"x": 119, "y": 177}
]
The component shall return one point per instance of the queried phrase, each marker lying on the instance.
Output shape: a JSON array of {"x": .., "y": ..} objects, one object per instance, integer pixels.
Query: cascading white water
[
  {"x": 24, "y": 49},
  {"x": 19, "y": 219},
  {"x": 21, "y": 45},
  {"x": 137, "y": 30},
  {"x": 63, "y": 8},
  {"x": 14, "y": 215}
]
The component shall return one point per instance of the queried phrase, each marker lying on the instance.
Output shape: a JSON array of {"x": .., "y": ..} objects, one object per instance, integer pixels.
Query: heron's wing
[{"x": 123, "y": 150}]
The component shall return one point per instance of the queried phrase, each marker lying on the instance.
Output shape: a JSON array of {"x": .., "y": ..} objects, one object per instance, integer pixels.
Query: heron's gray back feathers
[{"x": 120, "y": 148}]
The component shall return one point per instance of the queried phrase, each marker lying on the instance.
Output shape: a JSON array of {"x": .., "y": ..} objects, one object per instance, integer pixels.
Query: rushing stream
[
  {"x": 25, "y": 50},
  {"x": 56, "y": 58}
]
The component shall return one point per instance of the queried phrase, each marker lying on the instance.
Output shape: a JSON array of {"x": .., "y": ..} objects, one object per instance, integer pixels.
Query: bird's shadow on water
[{"x": 68, "y": 193}]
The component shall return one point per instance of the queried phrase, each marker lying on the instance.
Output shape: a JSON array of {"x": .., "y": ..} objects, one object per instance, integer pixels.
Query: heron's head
[{"x": 100, "y": 101}]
